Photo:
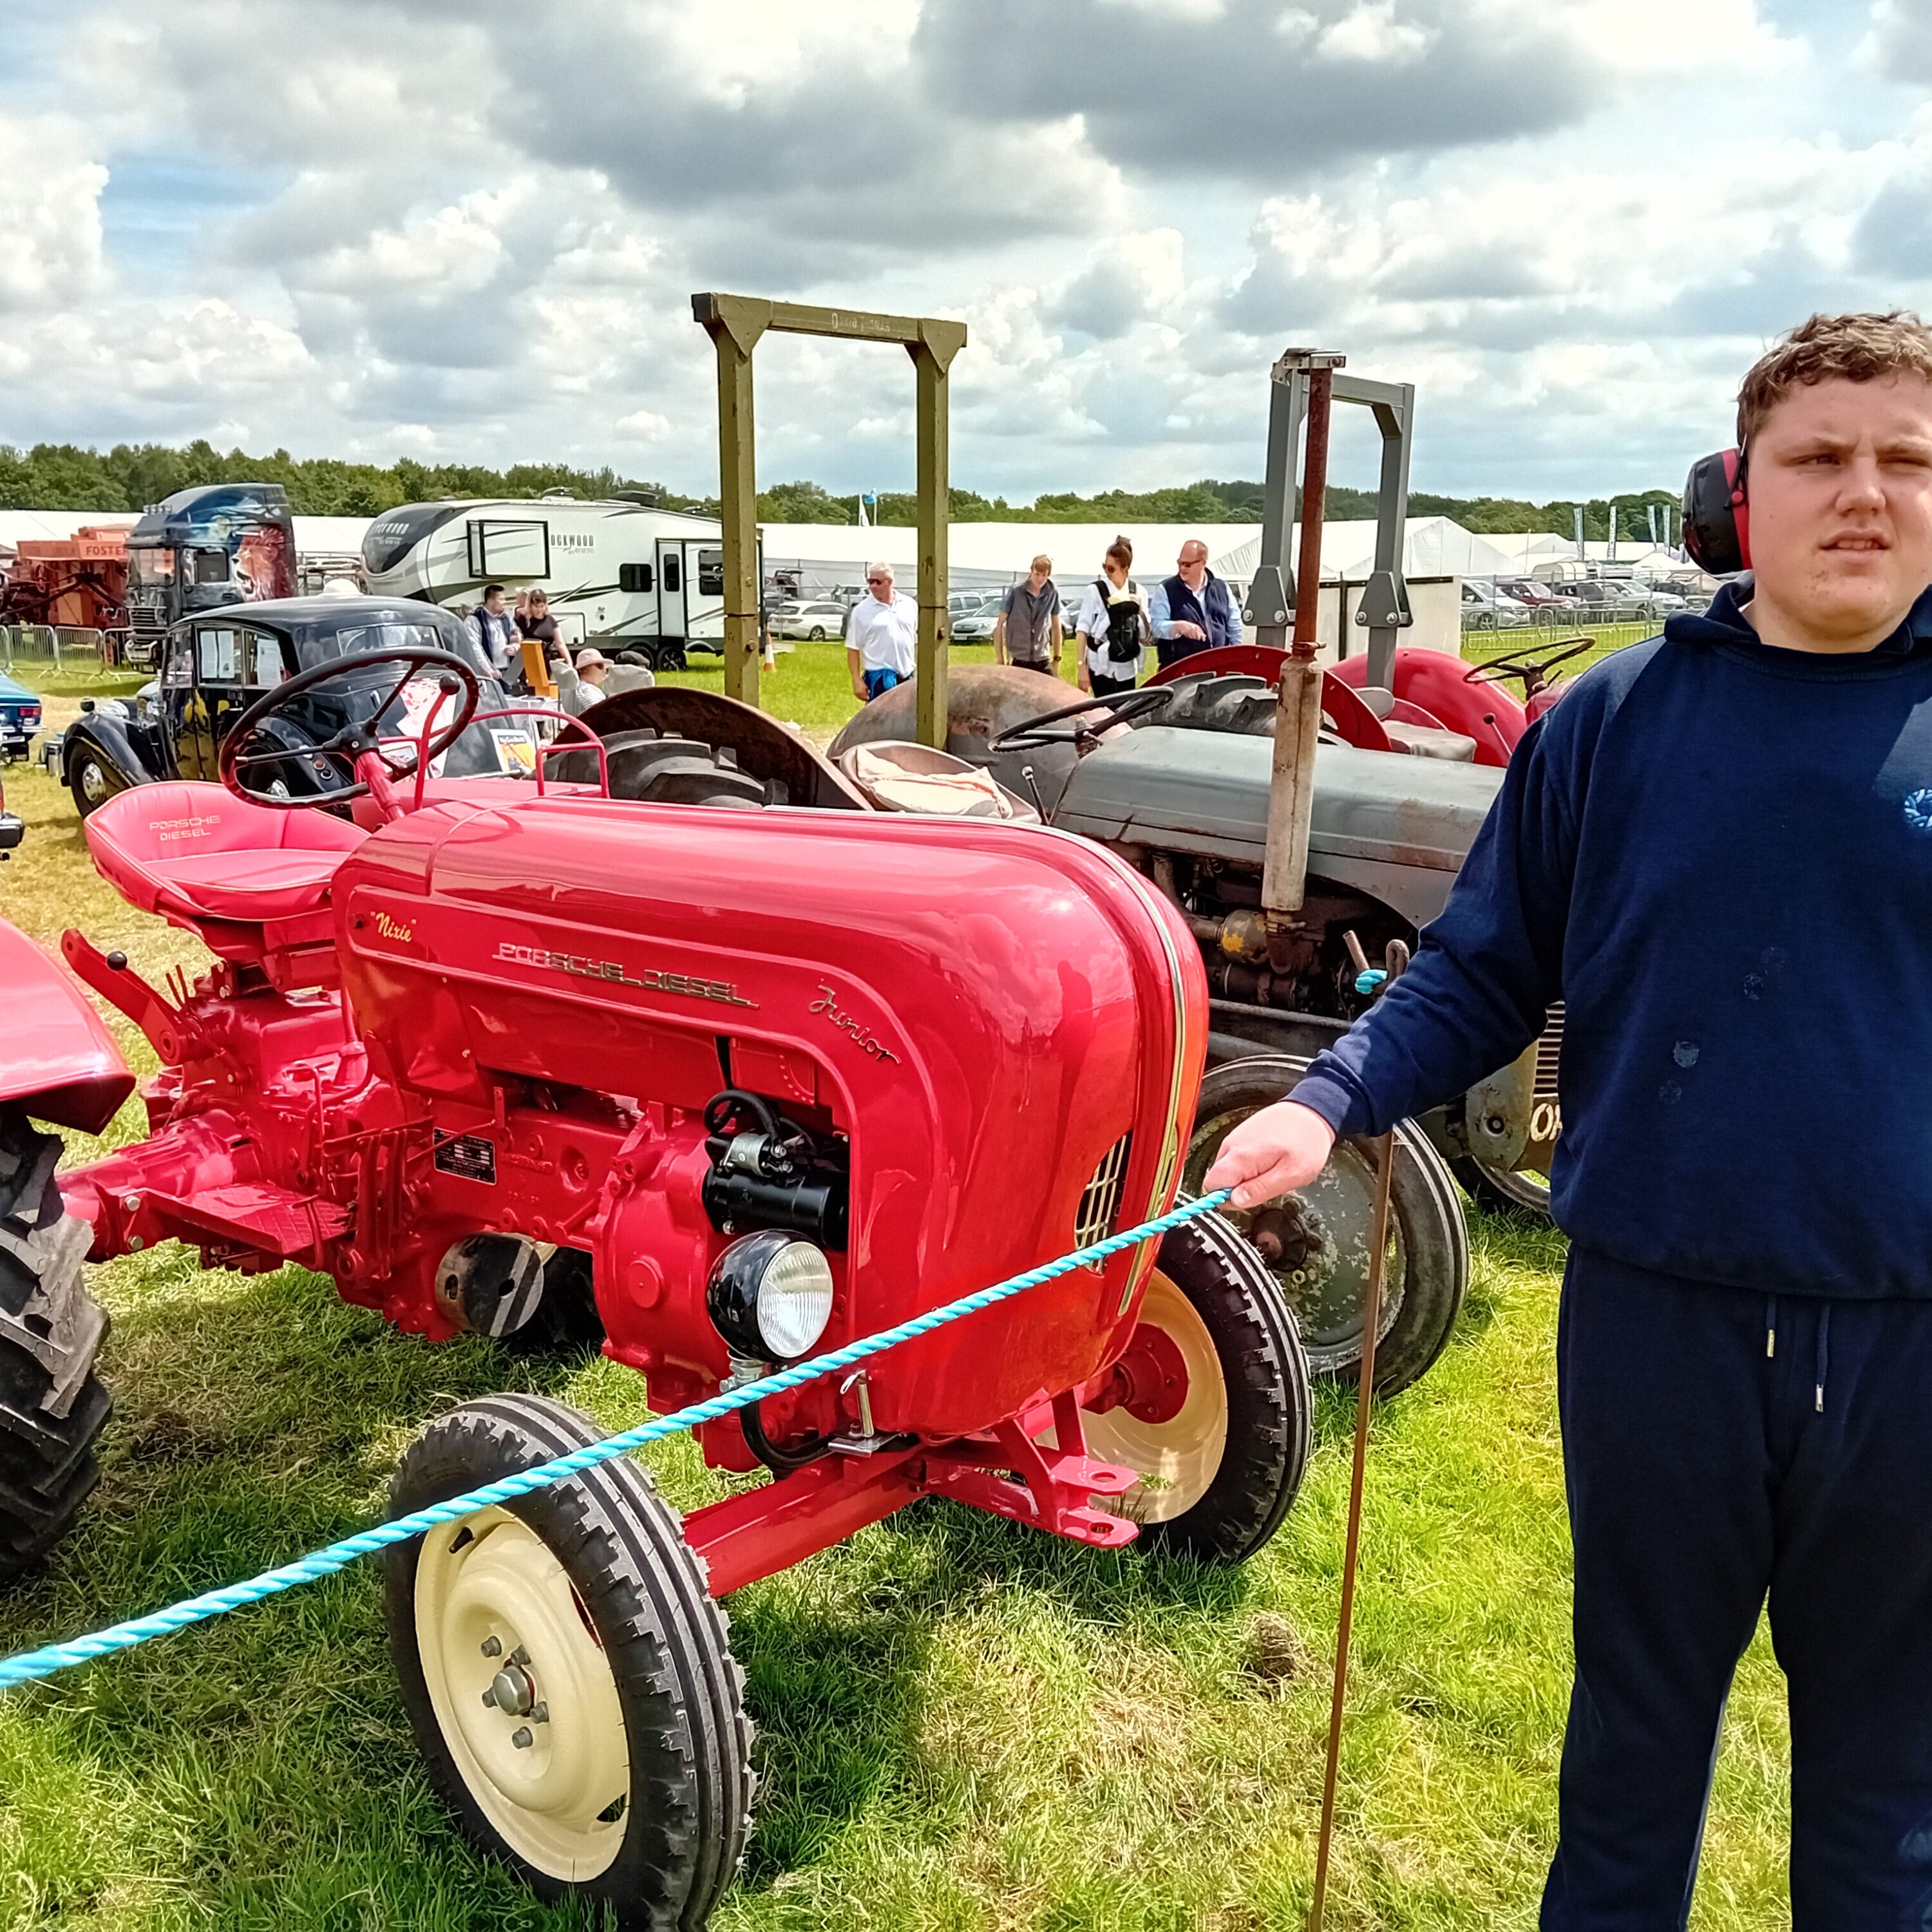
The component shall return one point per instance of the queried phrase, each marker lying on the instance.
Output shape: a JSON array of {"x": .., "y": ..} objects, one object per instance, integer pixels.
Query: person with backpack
[{"x": 1112, "y": 627}]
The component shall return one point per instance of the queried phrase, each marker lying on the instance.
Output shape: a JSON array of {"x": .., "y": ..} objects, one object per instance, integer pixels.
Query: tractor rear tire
[
  {"x": 1519, "y": 1194},
  {"x": 52, "y": 1406},
  {"x": 632, "y": 1790},
  {"x": 1320, "y": 1235},
  {"x": 1221, "y": 1471}
]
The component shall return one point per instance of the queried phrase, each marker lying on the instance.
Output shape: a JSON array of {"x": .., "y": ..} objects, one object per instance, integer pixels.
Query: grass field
[{"x": 963, "y": 1725}]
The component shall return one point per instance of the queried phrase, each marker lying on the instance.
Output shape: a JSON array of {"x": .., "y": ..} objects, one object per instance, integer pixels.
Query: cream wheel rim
[
  {"x": 492, "y": 1577},
  {"x": 1178, "y": 1460}
]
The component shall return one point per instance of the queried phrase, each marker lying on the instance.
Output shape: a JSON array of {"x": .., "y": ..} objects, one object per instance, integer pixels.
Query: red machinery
[
  {"x": 80, "y": 580},
  {"x": 782, "y": 1078},
  {"x": 1437, "y": 697}
]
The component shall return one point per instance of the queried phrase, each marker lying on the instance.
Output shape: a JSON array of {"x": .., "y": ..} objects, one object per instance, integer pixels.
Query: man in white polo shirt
[{"x": 881, "y": 636}]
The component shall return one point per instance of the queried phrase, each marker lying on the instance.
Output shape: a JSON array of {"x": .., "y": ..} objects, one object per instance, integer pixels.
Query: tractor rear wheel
[
  {"x": 1316, "y": 1243},
  {"x": 566, "y": 1672},
  {"x": 1523, "y": 1193},
  {"x": 52, "y": 1406},
  {"x": 1211, "y": 1403}
]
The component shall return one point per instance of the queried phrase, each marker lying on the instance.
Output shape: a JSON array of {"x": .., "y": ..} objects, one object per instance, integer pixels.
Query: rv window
[
  {"x": 216, "y": 650},
  {"x": 673, "y": 577},
  {"x": 633, "y": 576},
  {"x": 211, "y": 566},
  {"x": 711, "y": 573}
]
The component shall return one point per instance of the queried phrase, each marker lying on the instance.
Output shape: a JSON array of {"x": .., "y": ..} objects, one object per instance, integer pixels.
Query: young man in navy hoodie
[{"x": 1717, "y": 850}]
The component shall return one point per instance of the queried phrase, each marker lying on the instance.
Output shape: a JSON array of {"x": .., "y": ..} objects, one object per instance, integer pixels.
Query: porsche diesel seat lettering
[{"x": 584, "y": 968}]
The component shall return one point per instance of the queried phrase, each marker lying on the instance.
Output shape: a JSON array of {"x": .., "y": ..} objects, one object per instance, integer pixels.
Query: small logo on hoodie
[{"x": 1919, "y": 810}]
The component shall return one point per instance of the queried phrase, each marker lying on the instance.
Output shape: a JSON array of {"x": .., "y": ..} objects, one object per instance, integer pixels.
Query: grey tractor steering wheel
[
  {"x": 1122, "y": 707},
  {"x": 452, "y": 674}
]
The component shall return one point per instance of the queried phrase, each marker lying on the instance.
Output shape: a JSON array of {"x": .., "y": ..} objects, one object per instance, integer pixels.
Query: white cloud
[{"x": 441, "y": 230}]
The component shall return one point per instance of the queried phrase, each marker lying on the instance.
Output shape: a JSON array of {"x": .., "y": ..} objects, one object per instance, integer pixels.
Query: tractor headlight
[{"x": 770, "y": 1296}]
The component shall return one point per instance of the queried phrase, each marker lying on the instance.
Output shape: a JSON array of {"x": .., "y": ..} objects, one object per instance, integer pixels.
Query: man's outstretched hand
[{"x": 1273, "y": 1152}]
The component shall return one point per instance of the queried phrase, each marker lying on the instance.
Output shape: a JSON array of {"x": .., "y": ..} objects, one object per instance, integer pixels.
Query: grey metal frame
[{"x": 1384, "y": 610}]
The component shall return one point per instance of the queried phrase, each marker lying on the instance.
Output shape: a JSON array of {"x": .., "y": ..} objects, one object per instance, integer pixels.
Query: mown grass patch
[{"x": 962, "y": 1724}]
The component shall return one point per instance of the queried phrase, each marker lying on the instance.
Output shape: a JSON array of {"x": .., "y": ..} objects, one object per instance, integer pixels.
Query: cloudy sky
[{"x": 470, "y": 229}]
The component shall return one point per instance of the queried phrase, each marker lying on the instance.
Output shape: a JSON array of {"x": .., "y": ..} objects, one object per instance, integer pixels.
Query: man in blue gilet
[{"x": 1193, "y": 609}]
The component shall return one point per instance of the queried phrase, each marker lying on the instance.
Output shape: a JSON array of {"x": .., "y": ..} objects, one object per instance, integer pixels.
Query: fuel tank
[
  {"x": 1397, "y": 828},
  {"x": 1005, "y": 1025}
]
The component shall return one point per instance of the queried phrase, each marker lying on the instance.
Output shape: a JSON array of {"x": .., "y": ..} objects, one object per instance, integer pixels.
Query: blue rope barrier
[{"x": 30, "y": 1664}]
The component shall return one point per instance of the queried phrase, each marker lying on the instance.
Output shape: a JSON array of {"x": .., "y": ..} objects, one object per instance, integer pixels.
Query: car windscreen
[{"x": 349, "y": 640}]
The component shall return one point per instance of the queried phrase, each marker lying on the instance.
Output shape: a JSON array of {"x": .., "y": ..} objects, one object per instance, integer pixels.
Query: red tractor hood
[{"x": 986, "y": 1013}]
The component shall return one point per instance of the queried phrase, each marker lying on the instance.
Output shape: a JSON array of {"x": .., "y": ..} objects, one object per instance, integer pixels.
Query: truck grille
[
  {"x": 1548, "y": 1052},
  {"x": 1100, "y": 1202}
]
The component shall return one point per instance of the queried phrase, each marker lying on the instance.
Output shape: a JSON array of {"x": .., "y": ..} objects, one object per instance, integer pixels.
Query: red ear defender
[{"x": 1717, "y": 514}]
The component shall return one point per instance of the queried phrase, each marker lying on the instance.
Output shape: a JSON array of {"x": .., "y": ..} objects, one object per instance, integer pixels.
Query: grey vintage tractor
[{"x": 1183, "y": 778}]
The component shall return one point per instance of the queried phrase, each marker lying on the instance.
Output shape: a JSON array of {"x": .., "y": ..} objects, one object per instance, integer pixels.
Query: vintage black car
[{"x": 215, "y": 664}]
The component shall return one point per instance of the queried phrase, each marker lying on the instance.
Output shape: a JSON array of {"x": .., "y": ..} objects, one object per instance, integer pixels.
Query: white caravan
[{"x": 621, "y": 575}]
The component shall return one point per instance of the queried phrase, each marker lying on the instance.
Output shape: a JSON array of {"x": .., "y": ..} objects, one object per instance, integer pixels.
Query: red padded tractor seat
[{"x": 192, "y": 852}]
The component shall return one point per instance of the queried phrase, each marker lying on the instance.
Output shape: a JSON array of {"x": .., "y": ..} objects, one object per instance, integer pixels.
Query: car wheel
[
  {"x": 566, "y": 1672},
  {"x": 91, "y": 783},
  {"x": 1210, "y": 1402},
  {"x": 816, "y": 633},
  {"x": 1485, "y": 621}
]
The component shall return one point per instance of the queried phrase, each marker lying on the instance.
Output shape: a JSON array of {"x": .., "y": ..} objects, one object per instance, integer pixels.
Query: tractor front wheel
[
  {"x": 1316, "y": 1243},
  {"x": 566, "y": 1672},
  {"x": 52, "y": 1406},
  {"x": 1210, "y": 1403}
]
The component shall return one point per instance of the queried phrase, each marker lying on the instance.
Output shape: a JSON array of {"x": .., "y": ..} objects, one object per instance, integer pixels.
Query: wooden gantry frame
[{"x": 735, "y": 323}]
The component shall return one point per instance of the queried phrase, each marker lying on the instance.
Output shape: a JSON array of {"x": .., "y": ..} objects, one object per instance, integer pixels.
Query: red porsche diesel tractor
[{"x": 778, "y": 1079}]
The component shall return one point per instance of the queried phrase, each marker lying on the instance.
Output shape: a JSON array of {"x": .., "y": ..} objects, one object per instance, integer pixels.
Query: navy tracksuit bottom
[{"x": 1721, "y": 1446}]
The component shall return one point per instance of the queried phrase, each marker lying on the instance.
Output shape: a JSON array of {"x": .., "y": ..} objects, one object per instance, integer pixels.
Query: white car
[
  {"x": 1487, "y": 608},
  {"x": 814, "y": 621}
]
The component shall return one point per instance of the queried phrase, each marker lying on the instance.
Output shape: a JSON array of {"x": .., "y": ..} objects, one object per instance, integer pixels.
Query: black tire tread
[
  {"x": 47, "y": 1465},
  {"x": 1271, "y": 1410},
  {"x": 645, "y": 1588}
]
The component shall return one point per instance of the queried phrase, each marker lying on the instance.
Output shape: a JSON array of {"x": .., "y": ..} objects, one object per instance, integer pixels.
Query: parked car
[
  {"x": 215, "y": 664},
  {"x": 975, "y": 627},
  {"x": 1542, "y": 602},
  {"x": 1486, "y": 608},
  {"x": 821, "y": 619},
  {"x": 20, "y": 718}
]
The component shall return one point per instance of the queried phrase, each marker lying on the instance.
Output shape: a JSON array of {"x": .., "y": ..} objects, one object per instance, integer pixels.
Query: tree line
[{"x": 126, "y": 479}]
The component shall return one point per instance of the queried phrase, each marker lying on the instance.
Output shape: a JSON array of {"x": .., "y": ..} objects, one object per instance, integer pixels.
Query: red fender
[
  {"x": 1352, "y": 719},
  {"x": 57, "y": 1061}
]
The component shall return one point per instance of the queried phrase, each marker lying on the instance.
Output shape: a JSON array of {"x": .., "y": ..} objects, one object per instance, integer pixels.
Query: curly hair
[{"x": 1857, "y": 348}]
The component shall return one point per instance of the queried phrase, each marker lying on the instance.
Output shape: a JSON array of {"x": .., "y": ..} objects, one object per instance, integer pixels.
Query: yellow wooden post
[
  {"x": 932, "y": 358},
  {"x": 735, "y": 323}
]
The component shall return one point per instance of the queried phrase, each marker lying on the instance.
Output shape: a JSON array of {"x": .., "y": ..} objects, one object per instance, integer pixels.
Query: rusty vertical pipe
[
  {"x": 1314, "y": 488},
  {"x": 1297, "y": 721}
]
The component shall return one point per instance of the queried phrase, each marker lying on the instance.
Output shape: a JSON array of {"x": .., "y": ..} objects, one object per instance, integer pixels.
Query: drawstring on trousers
[{"x": 1824, "y": 1361}]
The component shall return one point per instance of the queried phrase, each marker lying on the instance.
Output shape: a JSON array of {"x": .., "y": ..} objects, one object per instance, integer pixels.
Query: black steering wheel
[
  {"x": 452, "y": 676},
  {"x": 1534, "y": 671},
  {"x": 1122, "y": 705}
]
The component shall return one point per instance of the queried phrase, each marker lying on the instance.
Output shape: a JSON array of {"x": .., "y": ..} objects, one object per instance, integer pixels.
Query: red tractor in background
[{"x": 772, "y": 1080}]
